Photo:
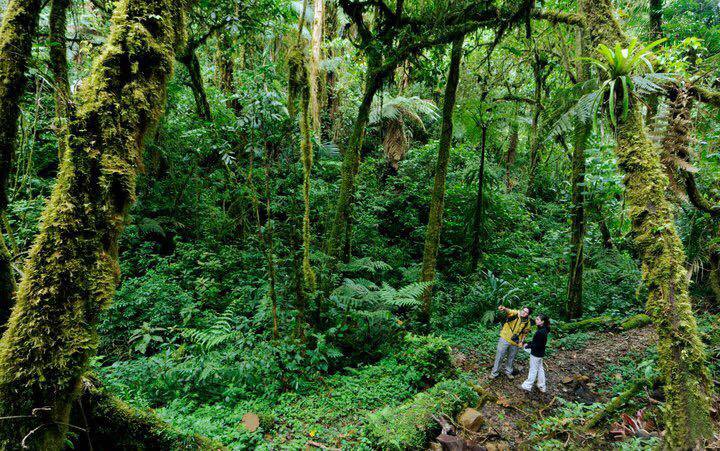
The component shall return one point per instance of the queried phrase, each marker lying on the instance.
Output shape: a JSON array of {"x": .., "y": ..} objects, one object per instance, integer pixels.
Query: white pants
[{"x": 536, "y": 372}]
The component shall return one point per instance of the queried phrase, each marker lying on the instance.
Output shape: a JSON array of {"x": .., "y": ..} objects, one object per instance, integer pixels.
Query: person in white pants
[{"x": 536, "y": 348}]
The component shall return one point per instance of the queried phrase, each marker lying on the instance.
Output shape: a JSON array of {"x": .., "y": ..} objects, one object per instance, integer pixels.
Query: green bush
[
  {"x": 410, "y": 425},
  {"x": 428, "y": 357}
]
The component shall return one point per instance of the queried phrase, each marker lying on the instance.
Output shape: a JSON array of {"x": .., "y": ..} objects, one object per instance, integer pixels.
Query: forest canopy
[{"x": 313, "y": 224}]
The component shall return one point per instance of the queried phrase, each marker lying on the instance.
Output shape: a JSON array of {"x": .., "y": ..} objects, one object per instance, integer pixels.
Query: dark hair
[{"x": 545, "y": 319}]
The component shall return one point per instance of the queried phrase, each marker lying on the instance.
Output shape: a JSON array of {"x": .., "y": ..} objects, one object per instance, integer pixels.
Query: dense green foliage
[{"x": 218, "y": 247}]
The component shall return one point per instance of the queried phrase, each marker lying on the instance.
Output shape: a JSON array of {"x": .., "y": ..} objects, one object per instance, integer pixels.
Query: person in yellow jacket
[{"x": 512, "y": 336}]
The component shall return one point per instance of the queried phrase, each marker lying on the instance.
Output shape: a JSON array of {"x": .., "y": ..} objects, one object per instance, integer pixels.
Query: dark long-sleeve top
[{"x": 537, "y": 345}]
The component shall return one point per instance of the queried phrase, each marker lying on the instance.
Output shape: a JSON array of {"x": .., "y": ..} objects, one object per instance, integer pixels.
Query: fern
[
  {"x": 412, "y": 108},
  {"x": 220, "y": 333},
  {"x": 365, "y": 264}
]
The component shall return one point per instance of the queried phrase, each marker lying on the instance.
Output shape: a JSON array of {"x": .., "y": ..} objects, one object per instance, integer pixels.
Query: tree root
[{"x": 110, "y": 423}]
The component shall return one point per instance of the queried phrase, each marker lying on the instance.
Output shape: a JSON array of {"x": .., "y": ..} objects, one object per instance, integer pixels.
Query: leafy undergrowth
[{"x": 334, "y": 410}]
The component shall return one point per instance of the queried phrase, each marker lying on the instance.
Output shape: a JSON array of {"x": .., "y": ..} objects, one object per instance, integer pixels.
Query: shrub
[
  {"x": 410, "y": 425},
  {"x": 428, "y": 356}
]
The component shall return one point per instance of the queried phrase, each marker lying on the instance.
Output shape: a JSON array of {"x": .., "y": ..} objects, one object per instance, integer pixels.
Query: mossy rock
[{"x": 410, "y": 425}]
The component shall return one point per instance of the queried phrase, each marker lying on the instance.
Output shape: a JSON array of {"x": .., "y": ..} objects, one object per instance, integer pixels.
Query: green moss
[
  {"x": 72, "y": 270},
  {"x": 410, "y": 425},
  {"x": 299, "y": 89},
  {"x": 636, "y": 321},
  {"x": 681, "y": 354},
  {"x": 113, "y": 424}
]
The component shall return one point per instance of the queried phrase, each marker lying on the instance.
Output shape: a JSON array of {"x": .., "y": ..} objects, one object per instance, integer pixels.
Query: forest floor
[{"x": 581, "y": 371}]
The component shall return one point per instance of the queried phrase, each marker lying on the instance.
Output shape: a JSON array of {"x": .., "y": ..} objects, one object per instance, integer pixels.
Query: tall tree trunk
[
  {"x": 16, "y": 35},
  {"x": 192, "y": 64},
  {"x": 538, "y": 70},
  {"x": 300, "y": 90},
  {"x": 333, "y": 101},
  {"x": 577, "y": 227},
  {"x": 339, "y": 238},
  {"x": 437, "y": 203},
  {"x": 72, "y": 271},
  {"x": 511, "y": 154},
  {"x": 478, "y": 215},
  {"x": 59, "y": 69},
  {"x": 316, "y": 84},
  {"x": 681, "y": 354},
  {"x": 656, "y": 32}
]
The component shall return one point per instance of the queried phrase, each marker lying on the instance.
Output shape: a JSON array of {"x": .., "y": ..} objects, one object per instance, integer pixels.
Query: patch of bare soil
[{"x": 574, "y": 375}]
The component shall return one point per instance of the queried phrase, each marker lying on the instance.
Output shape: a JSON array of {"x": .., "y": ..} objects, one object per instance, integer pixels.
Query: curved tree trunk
[
  {"x": 16, "y": 35},
  {"x": 72, "y": 270},
  {"x": 59, "y": 69},
  {"x": 437, "y": 203},
  {"x": 681, "y": 354}
]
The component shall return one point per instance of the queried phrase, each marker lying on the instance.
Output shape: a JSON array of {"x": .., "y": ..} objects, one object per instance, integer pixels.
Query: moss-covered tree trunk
[
  {"x": 192, "y": 64},
  {"x": 330, "y": 31},
  {"x": 339, "y": 238},
  {"x": 577, "y": 226},
  {"x": 16, "y": 35},
  {"x": 681, "y": 354},
  {"x": 59, "y": 69},
  {"x": 577, "y": 229},
  {"x": 316, "y": 84},
  {"x": 72, "y": 270},
  {"x": 539, "y": 77},
  {"x": 437, "y": 202}
]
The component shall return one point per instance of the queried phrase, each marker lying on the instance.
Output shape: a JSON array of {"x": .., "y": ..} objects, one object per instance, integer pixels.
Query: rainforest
[{"x": 359, "y": 225}]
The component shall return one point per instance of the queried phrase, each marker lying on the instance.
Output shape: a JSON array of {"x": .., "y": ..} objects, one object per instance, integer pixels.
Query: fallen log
[{"x": 604, "y": 322}]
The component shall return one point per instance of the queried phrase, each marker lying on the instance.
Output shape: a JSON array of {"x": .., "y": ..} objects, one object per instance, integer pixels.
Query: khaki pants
[{"x": 504, "y": 347}]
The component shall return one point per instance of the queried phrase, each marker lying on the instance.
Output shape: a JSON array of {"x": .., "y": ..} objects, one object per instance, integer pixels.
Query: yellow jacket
[{"x": 514, "y": 325}]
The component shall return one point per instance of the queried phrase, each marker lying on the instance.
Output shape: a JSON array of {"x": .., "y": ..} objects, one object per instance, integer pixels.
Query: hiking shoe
[
  {"x": 510, "y": 376},
  {"x": 494, "y": 376}
]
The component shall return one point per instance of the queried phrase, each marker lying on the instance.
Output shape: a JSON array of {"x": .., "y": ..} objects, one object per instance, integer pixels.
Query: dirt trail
[{"x": 507, "y": 421}]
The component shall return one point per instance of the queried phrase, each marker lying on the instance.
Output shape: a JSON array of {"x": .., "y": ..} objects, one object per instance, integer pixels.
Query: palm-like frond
[{"x": 399, "y": 107}]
